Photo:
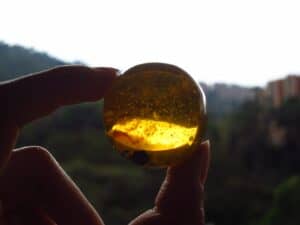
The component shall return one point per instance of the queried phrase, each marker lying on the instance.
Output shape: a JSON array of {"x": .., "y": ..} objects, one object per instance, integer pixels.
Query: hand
[
  {"x": 180, "y": 198},
  {"x": 34, "y": 189}
]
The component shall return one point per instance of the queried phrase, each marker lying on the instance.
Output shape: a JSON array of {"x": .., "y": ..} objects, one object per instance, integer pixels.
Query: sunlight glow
[{"x": 143, "y": 134}]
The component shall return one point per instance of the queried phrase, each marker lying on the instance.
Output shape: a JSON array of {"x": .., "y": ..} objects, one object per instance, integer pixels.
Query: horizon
[
  {"x": 200, "y": 81},
  {"x": 247, "y": 44}
]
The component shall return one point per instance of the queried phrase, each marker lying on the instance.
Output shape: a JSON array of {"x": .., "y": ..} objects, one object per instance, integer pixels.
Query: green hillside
[{"x": 16, "y": 60}]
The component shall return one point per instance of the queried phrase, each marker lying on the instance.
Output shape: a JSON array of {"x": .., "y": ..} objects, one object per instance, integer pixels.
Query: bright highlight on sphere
[{"x": 155, "y": 114}]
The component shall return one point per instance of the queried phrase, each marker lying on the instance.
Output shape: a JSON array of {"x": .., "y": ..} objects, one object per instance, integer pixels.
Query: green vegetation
[
  {"x": 285, "y": 207},
  {"x": 253, "y": 177},
  {"x": 16, "y": 60}
]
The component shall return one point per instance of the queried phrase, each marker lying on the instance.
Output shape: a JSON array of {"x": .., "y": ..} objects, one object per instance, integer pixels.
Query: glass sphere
[{"x": 155, "y": 114}]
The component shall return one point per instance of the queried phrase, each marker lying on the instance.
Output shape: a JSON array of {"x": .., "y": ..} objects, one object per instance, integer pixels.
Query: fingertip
[
  {"x": 196, "y": 166},
  {"x": 107, "y": 71},
  {"x": 204, "y": 156},
  {"x": 205, "y": 145},
  {"x": 36, "y": 95},
  {"x": 104, "y": 78}
]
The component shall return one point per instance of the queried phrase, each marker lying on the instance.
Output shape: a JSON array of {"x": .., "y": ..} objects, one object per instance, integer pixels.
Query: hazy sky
[{"x": 244, "y": 42}]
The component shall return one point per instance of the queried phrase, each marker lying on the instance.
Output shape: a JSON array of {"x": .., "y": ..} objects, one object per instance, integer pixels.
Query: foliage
[{"x": 285, "y": 208}]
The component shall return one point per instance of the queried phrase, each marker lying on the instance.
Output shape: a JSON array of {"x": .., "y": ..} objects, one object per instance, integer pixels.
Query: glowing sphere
[{"x": 155, "y": 114}]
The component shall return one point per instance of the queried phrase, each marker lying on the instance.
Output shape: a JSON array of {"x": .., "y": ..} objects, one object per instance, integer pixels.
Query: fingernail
[
  {"x": 196, "y": 166},
  {"x": 109, "y": 70},
  {"x": 102, "y": 79},
  {"x": 204, "y": 150}
]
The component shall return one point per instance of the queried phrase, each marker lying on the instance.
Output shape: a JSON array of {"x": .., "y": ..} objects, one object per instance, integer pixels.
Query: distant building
[
  {"x": 275, "y": 92},
  {"x": 278, "y": 91},
  {"x": 292, "y": 86}
]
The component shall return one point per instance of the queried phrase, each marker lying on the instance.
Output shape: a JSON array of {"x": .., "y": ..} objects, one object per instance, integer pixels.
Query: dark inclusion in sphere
[{"x": 155, "y": 114}]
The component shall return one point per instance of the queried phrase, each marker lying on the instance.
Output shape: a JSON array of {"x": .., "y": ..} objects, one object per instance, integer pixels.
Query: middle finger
[{"x": 33, "y": 179}]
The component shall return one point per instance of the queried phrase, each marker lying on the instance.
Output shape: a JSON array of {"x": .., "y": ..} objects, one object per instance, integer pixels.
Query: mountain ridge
[{"x": 16, "y": 61}]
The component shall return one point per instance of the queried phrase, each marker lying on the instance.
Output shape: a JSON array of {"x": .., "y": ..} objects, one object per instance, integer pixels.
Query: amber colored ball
[{"x": 155, "y": 114}]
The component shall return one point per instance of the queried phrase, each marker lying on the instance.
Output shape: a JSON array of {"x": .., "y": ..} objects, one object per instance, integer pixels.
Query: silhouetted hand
[
  {"x": 34, "y": 189},
  {"x": 180, "y": 198}
]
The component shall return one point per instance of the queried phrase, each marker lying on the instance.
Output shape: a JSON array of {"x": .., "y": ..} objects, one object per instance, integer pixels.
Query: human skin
[{"x": 34, "y": 189}]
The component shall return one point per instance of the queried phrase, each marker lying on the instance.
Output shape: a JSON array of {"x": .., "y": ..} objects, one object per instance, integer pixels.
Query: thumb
[{"x": 181, "y": 196}]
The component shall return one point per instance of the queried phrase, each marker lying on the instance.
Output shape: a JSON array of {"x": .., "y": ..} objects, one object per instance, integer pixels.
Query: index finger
[{"x": 33, "y": 96}]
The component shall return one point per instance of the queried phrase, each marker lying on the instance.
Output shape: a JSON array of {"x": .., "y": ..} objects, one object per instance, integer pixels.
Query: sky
[{"x": 241, "y": 42}]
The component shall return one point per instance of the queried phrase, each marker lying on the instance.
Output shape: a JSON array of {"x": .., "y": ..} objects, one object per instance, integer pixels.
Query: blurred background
[{"x": 245, "y": 55}]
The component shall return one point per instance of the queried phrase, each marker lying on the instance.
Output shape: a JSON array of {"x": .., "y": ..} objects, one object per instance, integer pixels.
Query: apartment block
[{"x": 278, "y": 91}]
